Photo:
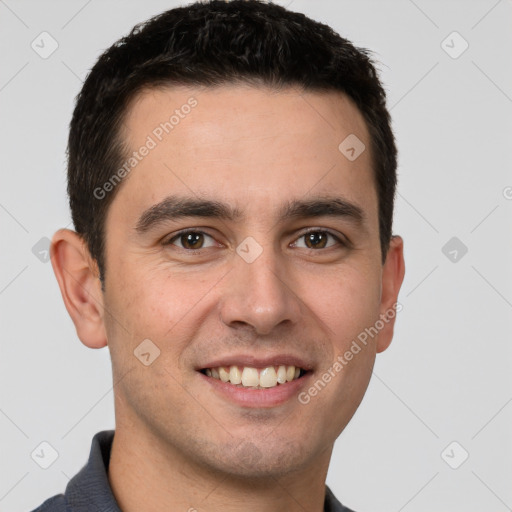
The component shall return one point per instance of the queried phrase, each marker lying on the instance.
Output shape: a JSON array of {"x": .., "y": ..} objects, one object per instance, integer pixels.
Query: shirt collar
[{"x": 90, "y": 489}]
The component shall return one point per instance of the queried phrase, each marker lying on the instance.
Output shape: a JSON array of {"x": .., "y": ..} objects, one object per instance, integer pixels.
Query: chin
[{"x": 260, "y": 460}]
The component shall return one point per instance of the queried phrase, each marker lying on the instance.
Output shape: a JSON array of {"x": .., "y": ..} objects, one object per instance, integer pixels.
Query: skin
[{"x": 178, "y": 444}]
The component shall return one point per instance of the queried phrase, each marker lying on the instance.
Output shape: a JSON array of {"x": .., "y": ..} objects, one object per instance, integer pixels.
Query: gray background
[{"x": 446, "y": 376}]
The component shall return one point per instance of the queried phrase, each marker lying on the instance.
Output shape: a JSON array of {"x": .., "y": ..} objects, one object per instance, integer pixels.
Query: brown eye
[
  {"x": 317, "y": 239},
  {"x": 191, "y": 240}
]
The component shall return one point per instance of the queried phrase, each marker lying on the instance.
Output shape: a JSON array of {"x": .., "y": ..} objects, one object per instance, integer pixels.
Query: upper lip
[{"x": 258, "y": 362}]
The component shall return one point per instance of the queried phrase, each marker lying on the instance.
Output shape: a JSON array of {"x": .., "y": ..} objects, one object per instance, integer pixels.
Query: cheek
[
  {"x": 158, "y": 304},
  {"x": 351, "y": 303}
]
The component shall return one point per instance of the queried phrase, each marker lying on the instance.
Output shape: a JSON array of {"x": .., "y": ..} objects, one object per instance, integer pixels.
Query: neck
[{"x": 147, "y": 475}]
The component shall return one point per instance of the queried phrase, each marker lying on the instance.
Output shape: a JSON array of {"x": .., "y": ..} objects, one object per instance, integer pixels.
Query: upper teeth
[{"x": 252, "y": 377}]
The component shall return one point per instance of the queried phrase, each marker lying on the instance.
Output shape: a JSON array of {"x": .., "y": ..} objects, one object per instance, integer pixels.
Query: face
[{"x": 280, "y": 267}]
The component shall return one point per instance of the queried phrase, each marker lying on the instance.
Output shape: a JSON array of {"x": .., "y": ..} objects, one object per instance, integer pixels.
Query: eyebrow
[{"x": 176, "y": 207}]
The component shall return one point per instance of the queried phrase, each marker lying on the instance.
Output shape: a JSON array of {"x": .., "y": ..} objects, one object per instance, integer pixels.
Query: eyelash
[{"x": 311, "y": 230}]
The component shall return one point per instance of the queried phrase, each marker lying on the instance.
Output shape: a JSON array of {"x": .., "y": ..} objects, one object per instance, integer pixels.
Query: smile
[{"x": 250, "y": 377}]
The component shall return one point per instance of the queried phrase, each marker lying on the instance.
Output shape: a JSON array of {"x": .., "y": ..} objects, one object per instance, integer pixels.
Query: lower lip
[{"x": 263, "y": 398}]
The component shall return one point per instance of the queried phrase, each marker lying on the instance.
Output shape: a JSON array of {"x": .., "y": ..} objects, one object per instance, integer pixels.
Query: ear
[
  {"x": 80, "y": 286},
  {"x": 393, "y": 272}
]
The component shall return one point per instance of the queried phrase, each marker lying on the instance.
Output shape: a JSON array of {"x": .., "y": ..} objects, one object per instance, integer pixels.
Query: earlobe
[
  {"x": 393, "y": 272},
  {"x": 77, "y": 275}
]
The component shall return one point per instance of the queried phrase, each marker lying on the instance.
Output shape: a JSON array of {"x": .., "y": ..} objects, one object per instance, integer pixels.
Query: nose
[{"x": 259, "y": 295}]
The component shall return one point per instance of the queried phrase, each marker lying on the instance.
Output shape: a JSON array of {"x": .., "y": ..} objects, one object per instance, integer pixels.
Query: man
[{"x": 231, "y": 178}]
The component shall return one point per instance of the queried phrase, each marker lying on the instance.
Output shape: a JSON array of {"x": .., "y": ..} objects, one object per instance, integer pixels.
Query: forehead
[
  {"x": 204, "y": 113},
  {"x": 247, "y": 145}
]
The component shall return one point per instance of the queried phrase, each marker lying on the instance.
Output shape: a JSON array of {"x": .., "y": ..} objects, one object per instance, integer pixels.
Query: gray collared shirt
[{"x": 89, "y": 490}]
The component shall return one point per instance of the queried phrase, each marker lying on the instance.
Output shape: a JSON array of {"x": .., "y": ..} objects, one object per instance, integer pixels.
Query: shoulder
[
  {"x": 89, "y": 489},
  {"x": 54, "y": 504},
  {"x": 332, "y": 504}
]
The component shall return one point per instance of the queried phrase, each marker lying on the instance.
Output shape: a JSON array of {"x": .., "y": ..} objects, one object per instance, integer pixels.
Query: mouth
[{"x": 255, "y": 378}]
